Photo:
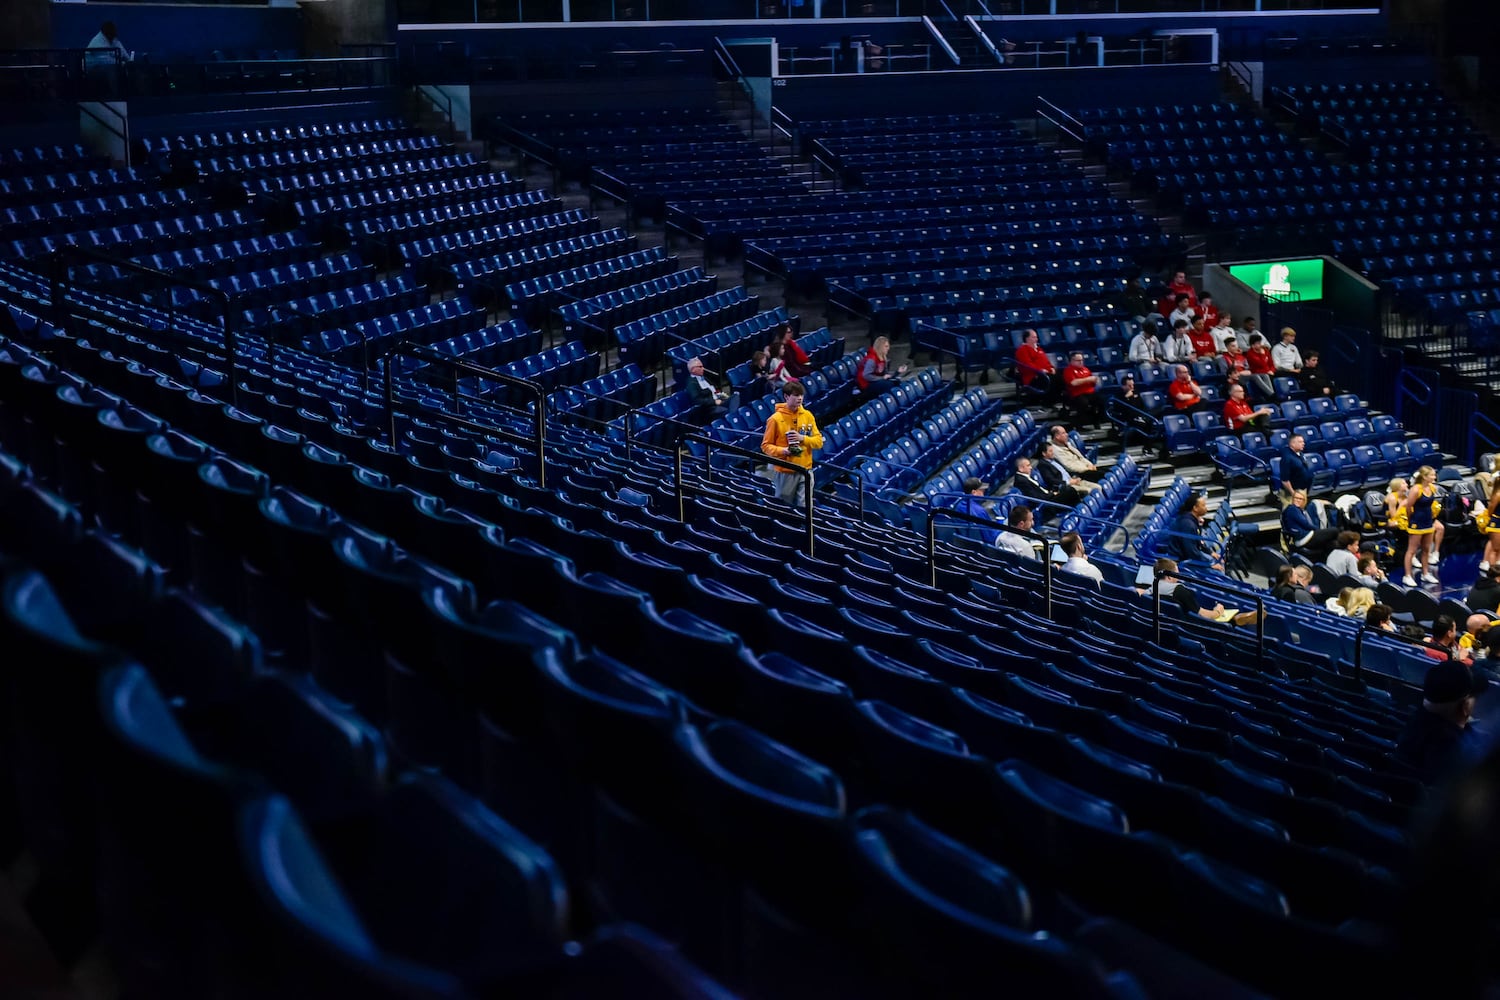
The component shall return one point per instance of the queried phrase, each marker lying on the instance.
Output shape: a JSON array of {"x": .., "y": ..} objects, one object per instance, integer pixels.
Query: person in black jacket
[
  {"x": 1437, "y": 737},
  {"x": 1033, "y": 487},
  {"x": 1485, "y": 594},
  {"x": 1056, "y": 475}
]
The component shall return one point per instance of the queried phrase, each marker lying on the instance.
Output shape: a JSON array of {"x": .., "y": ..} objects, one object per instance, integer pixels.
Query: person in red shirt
[
  {"x": 1080, "y": 387},
  {"x": 1032, "y": 364},
  {"x": 1204, "y": 346},
  {"x": 1184, "y": 393},
  {"x": 1262, "y": 367},
  {"x": 1239, "y": 416}
]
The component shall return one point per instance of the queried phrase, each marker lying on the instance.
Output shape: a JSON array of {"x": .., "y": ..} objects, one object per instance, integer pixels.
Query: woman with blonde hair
[
  {"x": 1422, "y": 527},
  {"x": 1355, "y": 602}
]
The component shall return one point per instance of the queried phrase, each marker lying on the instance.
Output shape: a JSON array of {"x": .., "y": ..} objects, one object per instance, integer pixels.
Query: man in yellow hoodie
[{"x": 791, "y": 434}]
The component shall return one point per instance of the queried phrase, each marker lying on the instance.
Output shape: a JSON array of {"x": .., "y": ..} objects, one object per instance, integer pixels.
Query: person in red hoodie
[
  {"x": 1032, "y": 364},
  {"x": 798, "y": 364}
]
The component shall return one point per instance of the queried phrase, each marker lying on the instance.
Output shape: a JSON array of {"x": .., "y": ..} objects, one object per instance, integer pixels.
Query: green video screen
[{"x": 1283, "y": 279}]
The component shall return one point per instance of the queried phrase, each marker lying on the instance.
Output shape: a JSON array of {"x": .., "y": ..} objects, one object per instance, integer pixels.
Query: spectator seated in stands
[
  {"x": 1078, "y": 560},
  {"x": 1207, "y": 311},
  {"x": 1485, "y": 594},
  {"x": 1057, "y": 477},
  {"x": 1481, "y": 639},
  {"x": 973, "y": 505},
  {"x": 872, "y": 376},
  {"x": 1176, "y": 287},
  {"x": 1231, "y": 362},
  {"x": 1034, "y": 369},
  {"x": 776, "y": 372},
  {"x": 1258, "y": 358},
  {"x": 1223, "y": 330},
  {"x": 1240, "y": 417},
  {"x": 1443, "y": 644},
  {"x": 1379, "y": 617},
  {"x": 1352, "y": 602},
  {"x": 1137, "y": 302},
  {"x": 1248, "y": 328},
  {"x": 1179, "y": 346},
  {"x": 1303, "y": 530},
  {"x": 1075, "y": 461},
  {"x": 1021, "y": 519},
  {"x": 1186, "y": 543},
  {"x": 1285, "y": 356},
  {"x": 1205, "y": 347},
  {"x": 1184, "y": 393},
  {"x": 1289, "y": 588},
  {"x": 1032, "y": 486},
  {"x": 708, "y": 401},
  {"x": 1182, "y": 312},
  {"x": 1344, "y": 559},
  {"x": 1145, "y": 348},
  {"x": 1173, "y": 589},
  {"x": 1436, "y": 739},
  {"x": 760, "y": 365},
  {"x": 1314, "y": 378},
  {"x": 1370, "y": 574},
  {"x": 1080, "y": 391},
  {"x": 798, "y": 364}
]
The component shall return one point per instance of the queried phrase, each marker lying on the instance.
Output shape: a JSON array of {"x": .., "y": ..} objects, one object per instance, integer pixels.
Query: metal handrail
[
  {"x": 58, "y": 278},
  {"x": 1260, "y": 605},
  {"x": 1359, "y": 645},
  {"x": 776, "y": 117},
  {"x": 458, "y": 365},
  {"x": 1039, "y": 506},
  {"x": 124, "y": 130},
  {"x": 447, "y": 99},
  {"x": 732, "y": 66},
  {"x": 959, "y": 515},
  {"x": 1485, "y": 431},
  {"x": 1060, "y": 120},
  {"x": 985, "y": 39},
  {"x": 710, "y": 444},
  {"x": 942, "y": 42}
]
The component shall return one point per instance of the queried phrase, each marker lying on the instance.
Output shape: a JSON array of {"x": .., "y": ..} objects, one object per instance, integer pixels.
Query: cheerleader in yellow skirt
[
  {"x": 1490, "y": 525},
  {"x": 1423, "y": 529}
]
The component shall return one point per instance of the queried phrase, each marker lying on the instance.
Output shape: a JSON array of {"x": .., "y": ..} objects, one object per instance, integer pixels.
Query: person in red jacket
[
  {"x": 798, "y": 364},
  {"x": 872, "y": 376},
  {"x": 1239, "y": 416},
  {"x": 1033, "y": 367},
  {"x": 1080, "y": 389}
]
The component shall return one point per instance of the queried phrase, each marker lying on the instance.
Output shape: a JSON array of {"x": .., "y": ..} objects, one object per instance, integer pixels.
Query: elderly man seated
[{"x": 708, "y": 401}]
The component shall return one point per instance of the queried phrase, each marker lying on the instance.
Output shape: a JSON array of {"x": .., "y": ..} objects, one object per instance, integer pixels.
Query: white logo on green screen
[{"x": 1278, "y": 282}]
